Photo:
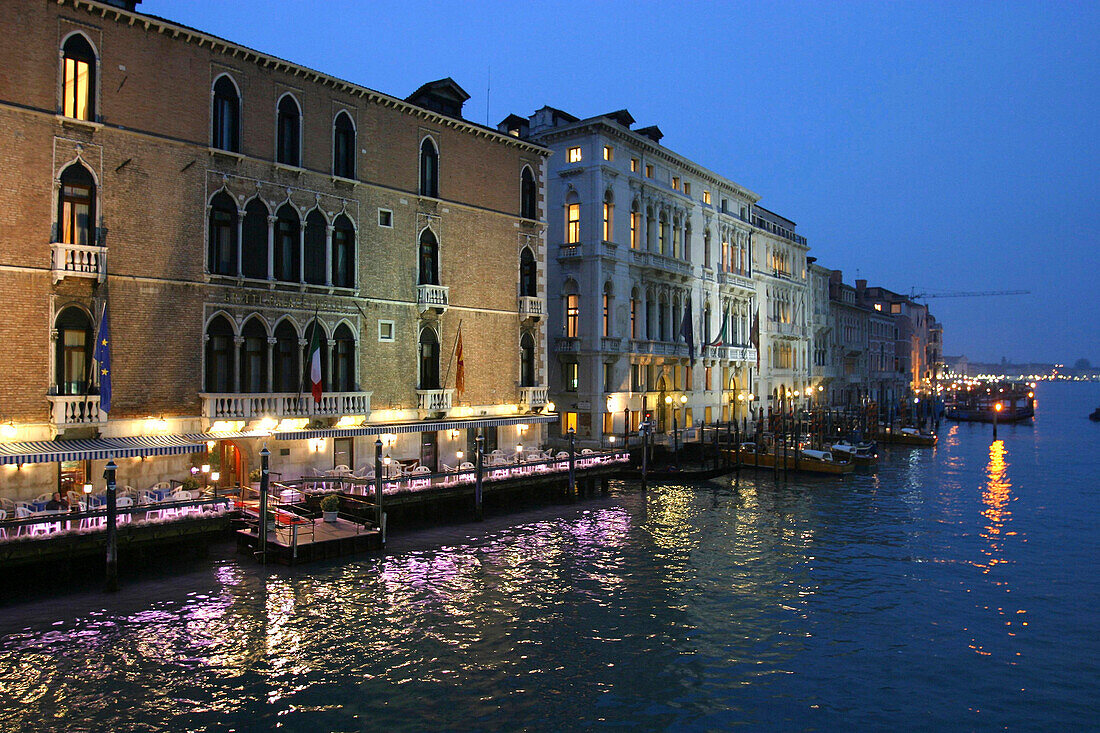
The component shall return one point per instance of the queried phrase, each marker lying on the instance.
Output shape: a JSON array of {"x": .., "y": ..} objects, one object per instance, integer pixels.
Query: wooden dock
[{"x": 310, "y": 540}]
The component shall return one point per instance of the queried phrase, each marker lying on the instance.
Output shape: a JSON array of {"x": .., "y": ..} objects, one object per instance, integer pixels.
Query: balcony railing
[
  {"x": 78, "y": 260},
  {"x": 569, "y": 250},
  {"x": 533, "y": 396},
  {"x": 73, "y": 410},
  {"x": 612, "y": 344},
  {"x": 735, "y": 278},
  {"x": 658, "y": 348},
  {"x": 567, "y": 344},
  {"x": 661, "y": 262},
  {"x": 431, "y": 296},
  {"x": 434, "y": 400},
  {"x": 245, "y": 406},
  {"x": 530, "y": 307}
]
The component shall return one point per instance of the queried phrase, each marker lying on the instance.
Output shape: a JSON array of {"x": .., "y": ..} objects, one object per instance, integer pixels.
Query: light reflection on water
[{"x": 908, "y": 597}]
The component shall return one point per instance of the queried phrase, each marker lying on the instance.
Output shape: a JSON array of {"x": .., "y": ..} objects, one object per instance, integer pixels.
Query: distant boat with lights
[{"x": 1006, "y": 402}]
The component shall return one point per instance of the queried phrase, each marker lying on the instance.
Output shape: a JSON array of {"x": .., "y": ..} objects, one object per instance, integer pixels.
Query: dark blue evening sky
[{"x": 946, "y": 146}]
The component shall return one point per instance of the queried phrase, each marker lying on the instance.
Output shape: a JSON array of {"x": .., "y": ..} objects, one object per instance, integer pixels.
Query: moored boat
[
  {"x": 808, "y": 460},
  {"x": 861, "y": 454},
  {"x": 908, "y": 436}
]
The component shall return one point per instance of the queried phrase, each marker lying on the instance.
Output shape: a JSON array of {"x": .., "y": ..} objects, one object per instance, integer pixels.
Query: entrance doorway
[
  {"x": 226, "y": 459},
  {"x": 429, "y": 449}
]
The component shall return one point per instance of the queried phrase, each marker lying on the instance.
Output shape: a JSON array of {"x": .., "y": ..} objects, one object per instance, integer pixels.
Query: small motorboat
[{"x": 861, "y": 454}]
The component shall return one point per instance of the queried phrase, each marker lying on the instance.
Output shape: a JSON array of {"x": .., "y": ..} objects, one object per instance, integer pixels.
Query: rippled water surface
[{"x": 954, "y": 587}]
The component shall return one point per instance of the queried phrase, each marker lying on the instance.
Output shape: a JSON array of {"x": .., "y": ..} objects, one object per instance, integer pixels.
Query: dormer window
[{"x": 78, "y": 92}]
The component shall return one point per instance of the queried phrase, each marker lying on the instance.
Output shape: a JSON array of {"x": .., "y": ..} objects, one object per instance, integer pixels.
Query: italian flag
[{"x": 315, "y": 363}]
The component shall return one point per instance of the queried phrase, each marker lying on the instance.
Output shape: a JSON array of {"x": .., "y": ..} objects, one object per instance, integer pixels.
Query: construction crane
[{"x": 914, "y": 295}]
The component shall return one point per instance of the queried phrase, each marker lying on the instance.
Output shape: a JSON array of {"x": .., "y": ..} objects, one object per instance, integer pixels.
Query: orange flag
[{"x": 460, "y": 372}]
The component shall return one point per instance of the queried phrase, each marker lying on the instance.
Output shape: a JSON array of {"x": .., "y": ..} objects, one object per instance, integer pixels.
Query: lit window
[
  {"x": 608, "y": 417},
  {"x": 606, "y": 314},
  {"x": 573, "y": 222},
  {"x": 635, "y": 220},
  {"x": 76, "y": 215},
  {"x": 706, "y": 197},
  {"x": 79, "y": 70},
  {"x": 572, "y": 315},
  {"x": 895, "y": 307},
  {"x": 568, "y": 422},
  {"x": 676, "y": 183},
  {"x": 633, "y": 165},
  {"x": 385, "y": 218},
  {"x": 608, "y": 152},
  {"x": 574, "y": 155},
  {"x": 570, "y": 377},
  {"x": 648, "y": 171},
  {"x": 878, "y": 306},
  {"x": 687, "y": 188},
  {"x": 607, "y": 208}
]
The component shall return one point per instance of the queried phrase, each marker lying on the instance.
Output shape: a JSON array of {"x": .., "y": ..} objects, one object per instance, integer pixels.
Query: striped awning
[
  {"x": 421, "y": 426},
  {"x": 97, "y": 449},
  {"x": 205, "y": 437}
]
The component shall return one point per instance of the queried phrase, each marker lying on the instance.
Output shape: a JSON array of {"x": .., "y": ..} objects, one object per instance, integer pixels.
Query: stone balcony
[
  {"x": 279, "y": 405},
  {"x": 532, "y": 397},
  {"x": 736, "y": 279},
  {"x": 78, "y": 260},
  {"x": 611, "y": 344},
  {"x": 661, "y": 262},
  {"x": 658, "y": 348},
  {"x": 434, "y": 400},
  {"x": 567, "y": 345},
  {"x": 67, "y": 411},
  {"x": 433, "y": 297},
  {"x": 531, "y": 307}
]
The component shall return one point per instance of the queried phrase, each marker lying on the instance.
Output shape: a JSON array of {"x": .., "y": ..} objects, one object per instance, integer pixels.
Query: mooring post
[
  {"x": 644, "y": 428},
  {"x": 478, "y": 476},
  {"x": 111, "y": 583},
  {"x": 265, "y": 487},
  {"x": 995, "y": 411},
  {"x": 737, "y": 445},
  {"x": 572, "y": 464},
  {"x": 378, "y": 487}
]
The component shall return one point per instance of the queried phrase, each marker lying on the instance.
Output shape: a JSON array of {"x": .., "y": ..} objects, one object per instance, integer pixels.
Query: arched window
[
  {"x": 76, "y": 206},
  {"x": 527, "y": 360},
  {"x": 572, "y": 310},
  {"x": 429, "y": 360},
  {"x": 74, "y": 351},
  {"x": 606, "y": 315},
  {"x": 662, "y": 319},
  {"x": 219, "y": 357},
  {"x": 343, "y": 253},
  {"x": 343, "y": 147},
  {"x": 322, "y": 340},
  {"x": 285, "y": 359},
  {"x": 706, "y": 248},
  {"x": 572, "y": 219},
  {"x": 635, "y": 226},
  {"x": 706, "y": 323},
  {"x": 289, "y": 128},
  {"x": 528, "y": 273},
  {"x": 287, "y": 244},
  {"x": 253, "y": 357},
  {"x": 650, "y": 229},
  {"x": 429, "y": 169},
  {"x": 221, "y": 257},
  {"x": 608, "y": 217},
  {"x": 634, "y": 313},
  {"x": 225, "y": 131},
  {"x": 343, "y": 365},
  {"x": 429, "y": 259},
  {"x": 79, "y": 76},
  {"x": 687, "y": 241},
  {"x": 651, "y": 332},
  {"x": 254, "y": 246},
  {"x": 662, "y": 235},
  {"x": 528, "y": 204},
  {"x": 315, "y": 247}
]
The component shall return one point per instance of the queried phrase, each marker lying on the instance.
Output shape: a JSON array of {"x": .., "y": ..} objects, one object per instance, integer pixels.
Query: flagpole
[
  {"x": 454, "y": 347},
  {"x": 302, "y": 367},
  {"x": 91, "y": 372}
]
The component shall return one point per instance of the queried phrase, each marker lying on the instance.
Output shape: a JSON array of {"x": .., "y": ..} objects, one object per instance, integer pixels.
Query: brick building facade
[{"x": 222, "y": 202}]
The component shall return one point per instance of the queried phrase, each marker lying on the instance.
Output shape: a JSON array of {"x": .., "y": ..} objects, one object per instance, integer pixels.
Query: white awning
[
  {"x": 421, "y": 426},
  {"x": 97, "y": 449}
]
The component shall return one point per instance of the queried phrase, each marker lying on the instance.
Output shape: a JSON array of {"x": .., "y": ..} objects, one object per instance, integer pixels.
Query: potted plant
[
  {"x": 254, "y": 478},
  {"x": 330, "y": 505},
  {"x": 191, "y": 484}
]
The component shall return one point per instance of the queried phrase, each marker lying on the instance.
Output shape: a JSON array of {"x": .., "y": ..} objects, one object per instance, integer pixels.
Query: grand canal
[{"x": 954, "y": 587}]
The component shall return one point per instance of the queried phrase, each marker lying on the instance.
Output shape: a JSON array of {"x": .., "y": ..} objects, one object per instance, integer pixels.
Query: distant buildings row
[{"x": 250, "y": 226}]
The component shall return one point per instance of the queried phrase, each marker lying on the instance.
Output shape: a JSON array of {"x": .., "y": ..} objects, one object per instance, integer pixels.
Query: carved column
[
  {"x": 328, "y": 255},
  {"x": 271, "y": 220},
  {"x": 238, "y": 342},
  {"x": 240, "y": 243},
  {"x": 271, "y": 341}
]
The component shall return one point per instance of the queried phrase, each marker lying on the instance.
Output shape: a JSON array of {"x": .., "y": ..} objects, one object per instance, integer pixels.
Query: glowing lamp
[
  {"x": 683, "y": 399},
  {"x": 519, "y": 447},
  {"x": 459, "y": 455},
  {"x": 7, "y": 430},
  {"x": 611, "y": 439},
  {"x": 87, "y": 488},
  {"x": 550, "y": 406},
  {"x": 751, "y": 397},
  {"x": 216, "y": 475},
  {"x": 668, "y": 399},
  {"x": 194, "y": 470},
  {"x": 998, "y": 407},
  {"x": 386, "y": 460},
  {"x": 205, "y": 468}
]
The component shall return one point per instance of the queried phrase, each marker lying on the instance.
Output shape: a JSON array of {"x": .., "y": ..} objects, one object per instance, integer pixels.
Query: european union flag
[{"x": 102, "y": 356}]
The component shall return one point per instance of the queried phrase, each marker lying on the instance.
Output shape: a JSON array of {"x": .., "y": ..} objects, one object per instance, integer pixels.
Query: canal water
[{"x": 955, "y": 587}]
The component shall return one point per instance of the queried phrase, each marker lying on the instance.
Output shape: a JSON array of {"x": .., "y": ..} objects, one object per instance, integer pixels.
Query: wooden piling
[{"x": 111, "y": 582}]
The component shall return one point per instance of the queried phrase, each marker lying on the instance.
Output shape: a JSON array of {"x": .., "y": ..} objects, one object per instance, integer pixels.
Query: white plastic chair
[
  {"x": 42, "y": 497},
  {"x": 121, "y": 503},
  {"x": 3, "y": 516}
]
